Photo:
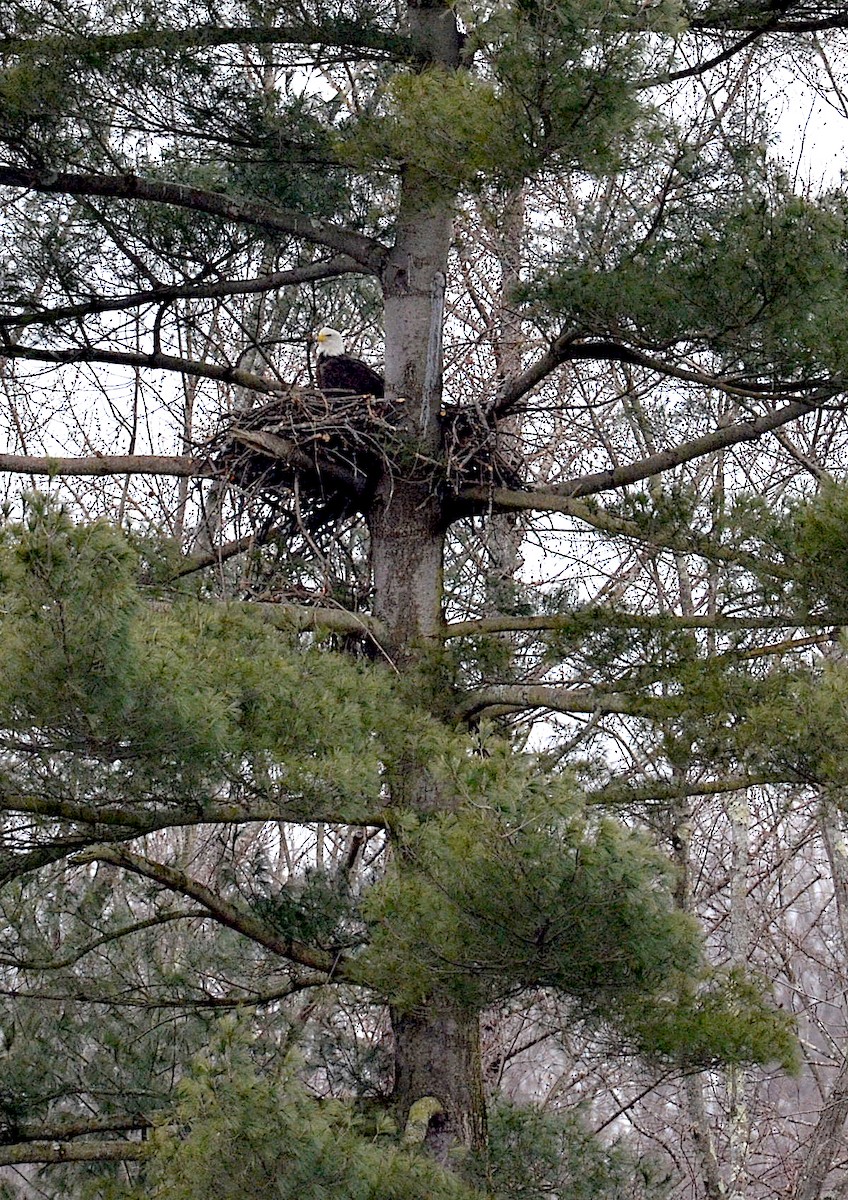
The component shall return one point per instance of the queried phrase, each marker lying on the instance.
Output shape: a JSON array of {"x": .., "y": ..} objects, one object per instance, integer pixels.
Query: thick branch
[
  {"x": 569, "y": 348},
  {"x": 66, "y": 1152},
  {"x": 134, "y": 821},
  {"x": 156, "y": 361},
  {"x": 17, "y": 864},
  {"x": 221, "y": 288},
  {"x": 226, "y": 551},
  {"x": 120, "y": 823},
  {"x": 124, "y": 999},
  {"x": 585, "y": 618},
  {"x": 717, "y": 60},
  {"x": 770, "y": 18},
  {"x": 665, "y": 460},
  {"x": 305, "y": 618},
  {"x": 72, "y": 1127},
  {"x": 286, "y": 451},
  {"x": 366, "y": 251},
  {"x": 336, "y": 32},
  {"x": 110, "y": 464},
  {"x": 333, "y": 966},
  {"x": 517, "y": 697},
  {"x": 664, "y": 791}
]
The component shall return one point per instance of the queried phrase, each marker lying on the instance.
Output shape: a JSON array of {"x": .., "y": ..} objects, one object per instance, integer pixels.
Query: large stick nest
[{"x": 337, "y": 445}]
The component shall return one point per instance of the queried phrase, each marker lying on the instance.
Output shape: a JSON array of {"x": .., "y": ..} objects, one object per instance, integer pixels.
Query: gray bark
[
  {"x": 437, "y": 1050},
  {"x": 437, "y": 1054}
]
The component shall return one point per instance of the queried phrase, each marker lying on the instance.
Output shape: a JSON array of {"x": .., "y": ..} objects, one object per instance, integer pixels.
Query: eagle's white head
[{"x": 330, "y": 342}]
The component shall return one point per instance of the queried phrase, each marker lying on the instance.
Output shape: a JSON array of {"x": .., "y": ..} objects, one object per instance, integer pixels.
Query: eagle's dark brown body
[{"x": 344, "y": 375}]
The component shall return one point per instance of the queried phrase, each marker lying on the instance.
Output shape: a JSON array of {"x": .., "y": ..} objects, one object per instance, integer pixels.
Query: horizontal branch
[
  {"x": 517, "y": 697},
  {"x": 299, "y": 460},
  {"x": 570, "y": 347},
  {"x": 155, "y": 361},
  {"x": 769, "y": 18},
  {"x": 218, "y": 290},
  {"x": 125, "y": 999},
  {"x": 335, "y": 32},
  {"x": 68, "y": 1152},
  {"x": 366, "y": 251},
  {"x": 92, "y": 824},
  {"x": 15, "y": 864},
  {"x": 136, "y": 820},
  {"x": 73, "y": 1127},
  {"x": 109, "y": 464},
  {"x": 227, "y": 550},
  {"x": 238, "y": 919},
  {"x": 305, "y": 618},
  {"x": 585, "y": 618},
  {"x": 114, "y": 935},
  {"x": 717, "y": 60},
  {"x": 662, "y": 791}
]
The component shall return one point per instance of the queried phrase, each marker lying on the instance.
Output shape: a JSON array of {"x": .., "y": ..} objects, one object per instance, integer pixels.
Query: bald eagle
[{"x": 340, "y": 373}]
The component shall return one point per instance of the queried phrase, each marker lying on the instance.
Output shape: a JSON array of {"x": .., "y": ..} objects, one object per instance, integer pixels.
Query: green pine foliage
[
  {"x": 166, "y": 704},
  {"x": 727, "y": 1020},
  {"x": 817, "y": 530},
  {"x": 535, "y": 1154},
  {"x": 513, "y": 890},
  {"x": 238, "y": 1135},
  {"x": 509, "y": 894},
  {"x": 317, "y": 909},
  {"x": 757, "y": 275}
]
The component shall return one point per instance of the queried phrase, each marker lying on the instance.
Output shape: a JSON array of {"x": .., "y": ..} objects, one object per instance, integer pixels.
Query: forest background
[{"x": 438, "y": 793}]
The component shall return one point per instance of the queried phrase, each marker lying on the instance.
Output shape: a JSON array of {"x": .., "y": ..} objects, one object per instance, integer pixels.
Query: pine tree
[{"x": 192, "y": 192}]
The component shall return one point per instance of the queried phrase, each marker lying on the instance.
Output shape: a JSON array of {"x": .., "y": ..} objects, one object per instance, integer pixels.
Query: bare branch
[
  {"x": 287, "y": 451},
  {"x": 227, "y": 550},
  {"x": 569, "y": 347},
  {"x": 663, "y": 791},
  {"x": 716, "y": 61},
  {"x": 114, "y": 935},
  {"x": 66, "y": 1152},
  {"x": 544, "y": 500},
  {"x": 366, "y": 251},
  {"x": 221, "y": 288},
  {"x": 110, "y": 464},
  {"x": 155, "y": 361},
  {"x": 665, "y": 460}
]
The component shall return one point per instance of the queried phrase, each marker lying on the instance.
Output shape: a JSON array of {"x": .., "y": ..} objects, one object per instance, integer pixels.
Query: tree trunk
[
  {"x": 827, "y": 1139},
  {"x": 437, "y": 1055},
  {"x": 407, "y": 546},
  {"x": 437, "y": 1048}
]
